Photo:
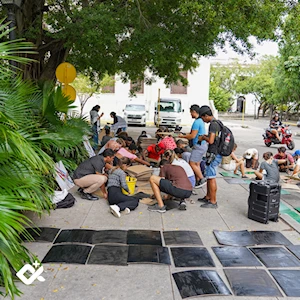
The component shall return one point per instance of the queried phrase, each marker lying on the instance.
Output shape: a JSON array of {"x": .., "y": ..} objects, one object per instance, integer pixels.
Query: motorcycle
[{"x": 285, "y": 135}]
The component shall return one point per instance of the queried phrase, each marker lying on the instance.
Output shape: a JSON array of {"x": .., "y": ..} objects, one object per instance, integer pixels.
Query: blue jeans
[
  {"x": 95, "y": 136},
  {"x": 211, "y": 170}
]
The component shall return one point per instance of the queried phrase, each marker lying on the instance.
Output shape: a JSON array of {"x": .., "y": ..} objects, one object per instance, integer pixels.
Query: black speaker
[{"x": 264, "y": 201}]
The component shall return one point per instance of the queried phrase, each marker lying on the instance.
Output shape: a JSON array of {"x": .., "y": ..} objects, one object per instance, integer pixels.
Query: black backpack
[
  {"x": 226, "y": 140},
  {"x": 69, "y": 201}
]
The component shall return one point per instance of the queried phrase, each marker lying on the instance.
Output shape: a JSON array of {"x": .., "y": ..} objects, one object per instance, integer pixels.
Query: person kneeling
[
  {"x": 116, "y": 181},
  {"x": 172, "y": 181}
]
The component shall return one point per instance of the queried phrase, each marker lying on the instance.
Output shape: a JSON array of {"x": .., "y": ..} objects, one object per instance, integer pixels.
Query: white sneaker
[
  {"x": 126, "y": 211},
  {"x": 115, "y": 210}
]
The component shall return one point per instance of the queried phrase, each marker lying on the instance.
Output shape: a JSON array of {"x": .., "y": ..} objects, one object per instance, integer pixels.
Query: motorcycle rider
[{"x": 275, "y": 125}]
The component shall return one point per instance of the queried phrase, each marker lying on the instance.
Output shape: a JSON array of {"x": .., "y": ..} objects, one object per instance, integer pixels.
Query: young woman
[
  {"x": 173, "y": 159},
  {"x": 116, "y": 181},
  {"x": 232, "y": 163},
  {"x": 268, "y": 169}
]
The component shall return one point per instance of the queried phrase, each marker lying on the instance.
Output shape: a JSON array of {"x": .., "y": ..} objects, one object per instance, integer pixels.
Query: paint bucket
[{"x": 131, "y": 182}]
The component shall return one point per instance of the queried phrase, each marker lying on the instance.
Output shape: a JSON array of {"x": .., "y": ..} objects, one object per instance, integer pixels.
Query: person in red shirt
[
  {"x": 155, "y": 151},
  {"x": 289, "y": 164}
]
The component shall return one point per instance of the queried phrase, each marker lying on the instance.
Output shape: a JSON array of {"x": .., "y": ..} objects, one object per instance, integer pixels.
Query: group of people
[
  {"x": 183, "y": 166},
  {"x": 118, "y": 124}
]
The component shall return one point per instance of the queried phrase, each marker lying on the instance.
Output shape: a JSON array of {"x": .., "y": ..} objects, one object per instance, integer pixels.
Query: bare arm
[
  {"x": 208, "y": 138},
  {"x": 189, "y": 136},
  {"x": 141, "y": 161}
]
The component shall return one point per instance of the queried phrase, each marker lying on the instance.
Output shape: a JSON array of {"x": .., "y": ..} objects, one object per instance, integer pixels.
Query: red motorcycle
[{"x": 285, "y": 135}]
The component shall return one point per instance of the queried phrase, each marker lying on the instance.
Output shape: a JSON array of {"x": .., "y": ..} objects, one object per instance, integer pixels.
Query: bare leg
[
  {"x": 212, "y": 184},
  {"x": 197, "y": 170},
  {"x": 274, "y": 131},
  {"x": 258, "y": 175},
  {"x": 242, "y": 167},
  {"x": 104, "y": 192},
  {"x": 154, "y": 182}
]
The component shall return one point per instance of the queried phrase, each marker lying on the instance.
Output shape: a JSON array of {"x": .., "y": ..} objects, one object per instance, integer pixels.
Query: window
[
  {"x": 178, "y": 88},
  {"x": 110, "y": 86},
  {"x": 137, "y": 87}
]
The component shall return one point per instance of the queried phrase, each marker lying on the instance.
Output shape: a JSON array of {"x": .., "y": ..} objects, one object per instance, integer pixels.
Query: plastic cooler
[{"x": 264, "y": 201}]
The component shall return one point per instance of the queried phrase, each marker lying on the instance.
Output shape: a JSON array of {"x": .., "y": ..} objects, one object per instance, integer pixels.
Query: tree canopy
[{"x": 128, "y": 37}]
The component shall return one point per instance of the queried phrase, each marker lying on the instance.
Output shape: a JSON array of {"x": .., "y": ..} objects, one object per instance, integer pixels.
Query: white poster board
[
  {"x": 88, "y": 147},
  {"x": 62, "y": 177}
]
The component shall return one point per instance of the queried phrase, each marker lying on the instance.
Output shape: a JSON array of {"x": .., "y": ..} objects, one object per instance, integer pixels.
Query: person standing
[
  {"x": 95, "y": 118},
  {"x": 213, "y": 158},
  {"x": 198, "y": 149}
]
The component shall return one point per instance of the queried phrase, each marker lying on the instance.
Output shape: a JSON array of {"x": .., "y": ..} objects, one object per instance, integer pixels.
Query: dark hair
[
  {"x": 205, "y": 110},
  {"x": 123, "y": 135},
  {"x": 180, "y": 142},
  {"x": 178, "y": 150},
  {"x": 113, "y": 114},
  {"x": 96, "y": 107},
  {"x": 281, "y": 149},
  {"x": 124, "y": 161},
  {"x": 164, "y": 162},
  {"x": 108, "y": 152},
  {"x": 195, "y": 107},
  {"x": 107, "y": 131},
  {"x": 130, "y": 139},
  {"x": 143, "y": 132},
  {"x": 267, "y": 155},
  {"x": 132, "y": 147}
]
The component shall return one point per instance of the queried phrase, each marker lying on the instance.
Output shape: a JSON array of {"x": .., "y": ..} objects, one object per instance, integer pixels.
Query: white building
[{"x": 197, "y": 92}]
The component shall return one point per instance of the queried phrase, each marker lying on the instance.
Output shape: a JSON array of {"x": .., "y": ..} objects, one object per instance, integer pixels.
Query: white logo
[{"x": 35, "y": 273}]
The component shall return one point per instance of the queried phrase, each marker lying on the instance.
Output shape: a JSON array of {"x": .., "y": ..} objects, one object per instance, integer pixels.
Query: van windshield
[
  {"x": 170, "y": 106},
  {"x": 134, "y": 107}
]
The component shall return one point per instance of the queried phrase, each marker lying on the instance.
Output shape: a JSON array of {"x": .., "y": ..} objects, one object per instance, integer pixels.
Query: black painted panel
[
  {"x": 108, "y": 255},
  {"x": 200, "y": 282},
  {"x": 181, "y": 237}
]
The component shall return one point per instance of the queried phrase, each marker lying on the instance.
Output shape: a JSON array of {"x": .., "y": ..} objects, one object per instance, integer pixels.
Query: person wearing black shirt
[
  {"x": 213, "y": 158},
  {"x": 275, "y": 125},
  {"x": 90, "y": 176}
]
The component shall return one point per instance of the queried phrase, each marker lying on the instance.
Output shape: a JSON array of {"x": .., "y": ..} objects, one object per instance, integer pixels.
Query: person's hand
[
  {"x": 200, "y": 138},
  {"x": 102, "y": 115},
  {"x": 105, "y": 195}
]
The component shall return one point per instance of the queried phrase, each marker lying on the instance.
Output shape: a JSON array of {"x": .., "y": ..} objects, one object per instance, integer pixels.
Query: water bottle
[{"x": 227, "y": 140}]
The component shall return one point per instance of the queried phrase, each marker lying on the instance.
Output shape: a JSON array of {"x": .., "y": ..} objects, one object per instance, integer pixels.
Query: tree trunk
[{"x": 50, "y": 52}]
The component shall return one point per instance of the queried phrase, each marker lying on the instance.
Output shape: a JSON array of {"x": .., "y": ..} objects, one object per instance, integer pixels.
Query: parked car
[{"x": 135, "y": 114}]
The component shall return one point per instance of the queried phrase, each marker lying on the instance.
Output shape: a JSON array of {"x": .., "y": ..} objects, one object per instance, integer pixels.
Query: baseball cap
[
  {"x": 161, "y": 145},
  {"x": 296, "y": 153},
  {"x": 248, "y": 155},
  {"x": 204, "y": 109}
]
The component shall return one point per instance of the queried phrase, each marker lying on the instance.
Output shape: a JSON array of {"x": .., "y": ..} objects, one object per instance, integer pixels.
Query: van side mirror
[
  {"x": 183, "y": 110},
  {"x": 147, "y": 111},
  {"x": 123, "y": 110}
]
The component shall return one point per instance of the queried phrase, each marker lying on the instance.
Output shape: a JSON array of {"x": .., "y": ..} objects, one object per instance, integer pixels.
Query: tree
[
  {"x": 85, "y": 88},
  {"x": 259, "y": 80},
  {"x": 128, "y": 37},
  {"x": 222, "y": 88}
]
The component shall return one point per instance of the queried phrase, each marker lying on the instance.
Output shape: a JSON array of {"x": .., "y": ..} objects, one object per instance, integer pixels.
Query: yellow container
[{"x": 131, "y": 181}]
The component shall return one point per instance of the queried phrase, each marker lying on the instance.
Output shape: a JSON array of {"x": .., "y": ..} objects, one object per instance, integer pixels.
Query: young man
[
  {"x": 289, "y": 164},
  {"x": 172, "y": 181},
  {"x": 198, "y": 149},
  {"x": 213, "y": 158},
  {"x": 251, "y": 156},
  {"x": 90, "y": 176}
]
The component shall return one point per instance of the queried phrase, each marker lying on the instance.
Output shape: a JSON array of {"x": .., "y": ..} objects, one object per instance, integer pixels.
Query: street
[{"x": 248, "y": 136}]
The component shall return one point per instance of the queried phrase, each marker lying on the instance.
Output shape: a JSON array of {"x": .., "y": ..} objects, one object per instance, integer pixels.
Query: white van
[
  {"x": 168, "y": 112},
  {"x": 135, "y": 114}
]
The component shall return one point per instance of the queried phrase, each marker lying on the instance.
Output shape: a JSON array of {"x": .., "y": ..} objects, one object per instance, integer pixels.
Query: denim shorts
[{"x": 211, "y": 170}]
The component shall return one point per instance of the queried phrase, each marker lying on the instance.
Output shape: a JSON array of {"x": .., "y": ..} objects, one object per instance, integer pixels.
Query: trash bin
[{"x": 131, "y": 182}]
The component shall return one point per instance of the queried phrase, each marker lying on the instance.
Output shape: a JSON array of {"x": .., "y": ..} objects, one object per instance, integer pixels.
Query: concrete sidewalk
[{"x": 141, "y": 281}]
